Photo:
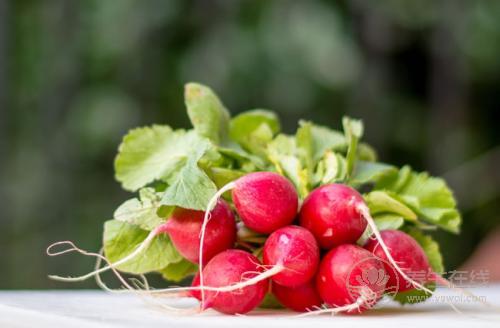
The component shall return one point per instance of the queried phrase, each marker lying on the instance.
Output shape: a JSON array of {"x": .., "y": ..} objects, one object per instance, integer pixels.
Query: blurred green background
[{"x": 424, "y": 76}]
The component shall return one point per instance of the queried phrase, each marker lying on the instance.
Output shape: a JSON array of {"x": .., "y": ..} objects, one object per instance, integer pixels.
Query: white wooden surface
[{"x": 98, "y": 309}]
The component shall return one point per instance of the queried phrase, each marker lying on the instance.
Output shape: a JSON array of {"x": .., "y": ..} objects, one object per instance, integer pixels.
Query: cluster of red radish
[{"x": 310, "y": 259}]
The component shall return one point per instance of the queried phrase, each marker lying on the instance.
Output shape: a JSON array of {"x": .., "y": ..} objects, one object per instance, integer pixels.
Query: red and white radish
[
  {"x": 300, "y": 298},
  {"x": 229, "y": 268},
  {"x": 331, "y": 213},
  {"x": 408, "y": 254},
  {"x": 350, "y": 279},
  {"x": 295, "y": 250},
  {"x": 184, "y": 227},
  {"x": 265, "y": 201}
]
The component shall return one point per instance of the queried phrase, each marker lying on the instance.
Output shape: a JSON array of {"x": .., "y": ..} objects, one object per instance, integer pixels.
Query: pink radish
[
  {"x": 408, "y": 254},
  {"x": 228, "y": 268},
  {"x": 300, "y": 298},
  {"x": 295, "y": 250},
  {"x": 350, "y": 279},
  {"x": 184, "y": 228},
  {"x": 331, "y": 213},
  {"x": 265, "y": 201}
]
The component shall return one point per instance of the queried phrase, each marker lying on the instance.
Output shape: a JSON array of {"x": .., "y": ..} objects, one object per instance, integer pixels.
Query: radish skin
[
  {"x": 226, "y": 269},
  {"x": 300, "y": 298},
  {"x": 184, "y": 227},
  {"x": 330, "y": 213},
  {"x": 265, "y": 201},
  {"x": 295, "y": 249},
  {"x": 348, "y": 273}
]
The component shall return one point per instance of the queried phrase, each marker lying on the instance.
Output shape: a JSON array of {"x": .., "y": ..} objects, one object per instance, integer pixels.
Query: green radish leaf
[
  {"x": 389, "y": 221},
  {"x": 332, "y": 168},
  {"x": 222, "y": 176},
  {"x": 178, "y": 271},
  {"x": 192, "y": 189},
  {"x": 385, "y": 202},
  {"x": 121, "y": 239},
  {"x": 208, "y": 115},
  {"x": 353, "y": 130},
  {"x": 254, "y": 129},
  {"x": 366, "y": 153},
  {"x": 282, "y": 152},
  {"x": 155, "y": 153},
  {"x": 242, "y": 158},
  {"x": 305, "y": 150},
  {"x": 370, "y": 172},
  {"x": 141, "y": 211},
  {"x": 325, "y": 139},
  {"x": 429, "y": 197},
  {"x": 431, "y": 249}
]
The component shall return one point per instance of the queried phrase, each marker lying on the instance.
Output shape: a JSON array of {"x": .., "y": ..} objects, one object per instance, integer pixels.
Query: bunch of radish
[
  {"x": 330, "y": 221},
  {"x": 253, "y": 214}
]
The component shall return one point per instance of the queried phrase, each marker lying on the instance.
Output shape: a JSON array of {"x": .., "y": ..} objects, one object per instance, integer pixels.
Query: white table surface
[{"x": 99, "y": 309}]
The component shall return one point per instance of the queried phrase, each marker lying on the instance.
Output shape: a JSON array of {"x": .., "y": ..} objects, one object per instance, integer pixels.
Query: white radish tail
[
  {"x": 210, "y": 206},
  {"x": 140, "y": 248}
]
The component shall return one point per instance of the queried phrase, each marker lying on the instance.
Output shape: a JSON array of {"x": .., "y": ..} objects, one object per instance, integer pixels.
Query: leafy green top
[{"x": 172, "y": 168}]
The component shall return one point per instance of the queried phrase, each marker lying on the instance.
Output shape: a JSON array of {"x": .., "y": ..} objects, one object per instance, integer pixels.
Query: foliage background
[{"x": 76, "y": 75}]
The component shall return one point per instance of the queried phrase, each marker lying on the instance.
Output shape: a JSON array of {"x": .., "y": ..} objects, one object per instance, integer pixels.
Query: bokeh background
[{"x": 424, "y": 75}]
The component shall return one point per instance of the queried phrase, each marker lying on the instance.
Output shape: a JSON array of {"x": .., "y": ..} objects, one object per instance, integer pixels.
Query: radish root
[
  {"x": 140, "y": 248},
  {"x": 252, "y": 281},
  {"x": 367, "y": 297},
  {"x": 210, "y": 206}
]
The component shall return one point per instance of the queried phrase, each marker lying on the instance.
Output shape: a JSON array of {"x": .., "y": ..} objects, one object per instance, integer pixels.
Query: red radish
[
  {"x": 409, "y": 256},
  {"x": 330, "y": 212},
  {"x": 350, "y": 278},
  {"x": 300, "y": 298},
  {"x": 228, "y": 268},
  {"x": 295, "y": 250},
  {"x": 265, "y": 201},
  {"x": 184, "y": 228}
]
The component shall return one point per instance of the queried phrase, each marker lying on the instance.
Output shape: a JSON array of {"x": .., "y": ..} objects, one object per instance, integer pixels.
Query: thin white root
[
  {"x": 141, "y": 247},
  {"x": 365, "y": 212},
  {"x": 141, "y": 288},
  {"x": 101, "y": 283},
  {"x": 346, "y": 308},
  {"x": 210, "y": 206},
  {"x": 252, "y": 281}
]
